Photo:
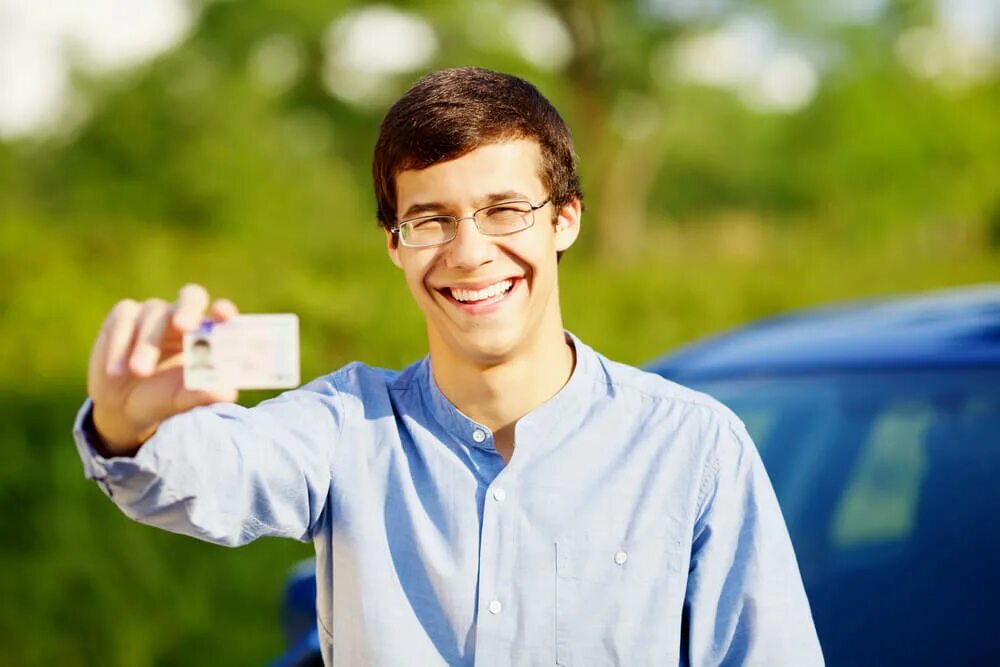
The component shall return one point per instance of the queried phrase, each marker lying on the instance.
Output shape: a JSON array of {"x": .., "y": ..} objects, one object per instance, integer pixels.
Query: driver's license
[{"x": 244, "y": 352}]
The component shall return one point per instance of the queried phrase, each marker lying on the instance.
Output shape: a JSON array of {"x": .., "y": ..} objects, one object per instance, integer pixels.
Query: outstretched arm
[{"x": 193, "y": 462}]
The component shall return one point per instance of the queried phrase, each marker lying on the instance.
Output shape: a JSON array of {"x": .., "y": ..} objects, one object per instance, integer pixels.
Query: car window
[{"x": 879, "y": 502}]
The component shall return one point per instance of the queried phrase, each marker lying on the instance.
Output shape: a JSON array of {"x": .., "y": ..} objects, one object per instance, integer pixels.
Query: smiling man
[
  {"x": 488, "y": 288},
  {"x": 514, "y": 498}
]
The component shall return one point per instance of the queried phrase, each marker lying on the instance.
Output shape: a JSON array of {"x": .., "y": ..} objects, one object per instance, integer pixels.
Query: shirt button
[
  {"x": 495, "y": 607},
  {"x": 621, "y": 557},
  {"x": 499, "y": 495},
  {"x": 478, "y": 435}
]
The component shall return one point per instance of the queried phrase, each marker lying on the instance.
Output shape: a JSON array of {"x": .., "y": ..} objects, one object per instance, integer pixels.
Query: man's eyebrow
[
  {"x": 506, "y": 195},
  {"x": 421, "y": 208}
]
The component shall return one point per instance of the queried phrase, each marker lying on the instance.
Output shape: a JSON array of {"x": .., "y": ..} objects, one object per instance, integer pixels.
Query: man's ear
[
  {"x": 392, "y": 247},
  {"x": 567, "y": 225}
]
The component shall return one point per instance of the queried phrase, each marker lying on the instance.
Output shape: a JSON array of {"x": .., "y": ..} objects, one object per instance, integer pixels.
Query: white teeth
[{"x": 482, "y": 294}]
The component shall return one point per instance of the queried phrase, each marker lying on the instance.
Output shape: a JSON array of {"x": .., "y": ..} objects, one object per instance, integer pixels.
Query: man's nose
[{"x": 470, "y": 247}]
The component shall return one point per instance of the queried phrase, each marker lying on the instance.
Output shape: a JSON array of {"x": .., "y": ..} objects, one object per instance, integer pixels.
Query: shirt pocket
[{"x": 619, "y": 599}]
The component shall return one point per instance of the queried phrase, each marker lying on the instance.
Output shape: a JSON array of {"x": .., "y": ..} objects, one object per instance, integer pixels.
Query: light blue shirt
[{"x": 634, "y": 524}]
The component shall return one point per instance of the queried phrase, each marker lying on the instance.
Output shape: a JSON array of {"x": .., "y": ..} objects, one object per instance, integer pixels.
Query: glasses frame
[{"x": 397, "y": 229}]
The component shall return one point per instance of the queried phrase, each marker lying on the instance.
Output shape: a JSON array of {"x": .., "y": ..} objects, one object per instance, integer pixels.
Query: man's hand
[{"x": 136, "y": 374}]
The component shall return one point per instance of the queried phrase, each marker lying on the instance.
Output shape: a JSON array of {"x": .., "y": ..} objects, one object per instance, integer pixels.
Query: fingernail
[
  {"x": 144, "y": 363},
  {"x": 116, "y": 368}
]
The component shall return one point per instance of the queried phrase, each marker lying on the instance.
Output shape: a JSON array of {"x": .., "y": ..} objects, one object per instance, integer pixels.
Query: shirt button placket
[
  {"x": 492, "y": 627},
  {"x": 492, "y": 519}
]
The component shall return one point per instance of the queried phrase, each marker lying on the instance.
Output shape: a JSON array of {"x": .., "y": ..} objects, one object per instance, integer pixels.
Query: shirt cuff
[{"x": 96, "y": 466}]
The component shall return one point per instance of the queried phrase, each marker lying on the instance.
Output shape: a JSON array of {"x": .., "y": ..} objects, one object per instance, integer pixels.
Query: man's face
[{"x": 521, "y": 306}]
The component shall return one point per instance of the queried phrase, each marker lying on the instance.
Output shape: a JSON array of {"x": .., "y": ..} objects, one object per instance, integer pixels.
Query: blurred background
[{"x": 739, "y": 159}]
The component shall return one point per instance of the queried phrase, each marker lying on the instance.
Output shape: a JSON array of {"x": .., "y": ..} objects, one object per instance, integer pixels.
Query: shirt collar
[
  {"x": 563, "y": 411},
  {"x": 454, "y": 421}
]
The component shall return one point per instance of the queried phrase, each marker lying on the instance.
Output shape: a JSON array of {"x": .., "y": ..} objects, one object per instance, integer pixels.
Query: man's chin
[{"x": 483, "y": 350}]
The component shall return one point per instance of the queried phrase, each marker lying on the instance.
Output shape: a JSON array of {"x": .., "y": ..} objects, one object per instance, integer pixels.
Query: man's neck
[{"x": 498, "y": 395}]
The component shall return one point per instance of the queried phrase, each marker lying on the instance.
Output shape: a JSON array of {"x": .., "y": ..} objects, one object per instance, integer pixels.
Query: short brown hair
[{"x": 451, "y": 112}]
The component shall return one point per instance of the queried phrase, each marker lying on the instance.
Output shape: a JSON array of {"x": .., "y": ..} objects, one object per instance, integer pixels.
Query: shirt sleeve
[
  {"x": 224, "y": 473},
  {"x": 745, "y": 604}
]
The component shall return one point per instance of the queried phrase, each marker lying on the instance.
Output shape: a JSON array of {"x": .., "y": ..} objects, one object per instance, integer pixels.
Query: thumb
[{"x": 188, "y": 398}]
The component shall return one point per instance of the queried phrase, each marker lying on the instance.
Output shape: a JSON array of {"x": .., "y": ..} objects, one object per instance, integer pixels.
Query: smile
[
  {"x": 480, "y": 300},
  {"x": 474, "y": 296}
]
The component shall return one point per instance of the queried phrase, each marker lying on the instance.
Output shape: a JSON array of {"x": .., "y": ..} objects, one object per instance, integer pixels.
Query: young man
[{"x": 513, "y": 498}]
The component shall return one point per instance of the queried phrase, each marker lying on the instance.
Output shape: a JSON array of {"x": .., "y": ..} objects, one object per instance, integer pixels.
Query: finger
[
  {"x": 121, "y": 330},
  {"x": 223, "y": 309},
  {"x": 185, "y": 400},
  {"x": 192, "y": 300},
  {"x": 99, "y": 353},
  {"x": 97, "y": 367},
  {"x": 152, "y": 322}
]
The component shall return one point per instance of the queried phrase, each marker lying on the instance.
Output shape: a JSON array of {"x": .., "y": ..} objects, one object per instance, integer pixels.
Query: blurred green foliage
[{"x": 190, "y": 170}]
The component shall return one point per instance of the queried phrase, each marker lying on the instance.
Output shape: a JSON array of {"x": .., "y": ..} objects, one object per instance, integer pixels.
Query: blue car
[{"x": 879, "y": 425}]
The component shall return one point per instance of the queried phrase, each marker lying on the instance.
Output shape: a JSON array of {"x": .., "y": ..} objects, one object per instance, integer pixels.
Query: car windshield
[{"x": 890, "y": 486}]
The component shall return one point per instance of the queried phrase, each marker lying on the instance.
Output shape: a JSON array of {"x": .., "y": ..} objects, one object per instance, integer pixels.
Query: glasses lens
[
  {"x": 504, "y": 218},
  {"x": 427, "y": 231}
]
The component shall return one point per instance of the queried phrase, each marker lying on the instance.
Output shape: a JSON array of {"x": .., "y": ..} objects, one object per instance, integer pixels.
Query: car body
[{"x": 879, "y": 425}]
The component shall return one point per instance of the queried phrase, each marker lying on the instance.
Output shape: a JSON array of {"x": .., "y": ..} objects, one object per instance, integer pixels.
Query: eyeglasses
[{"x": 500, "y": 219}]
